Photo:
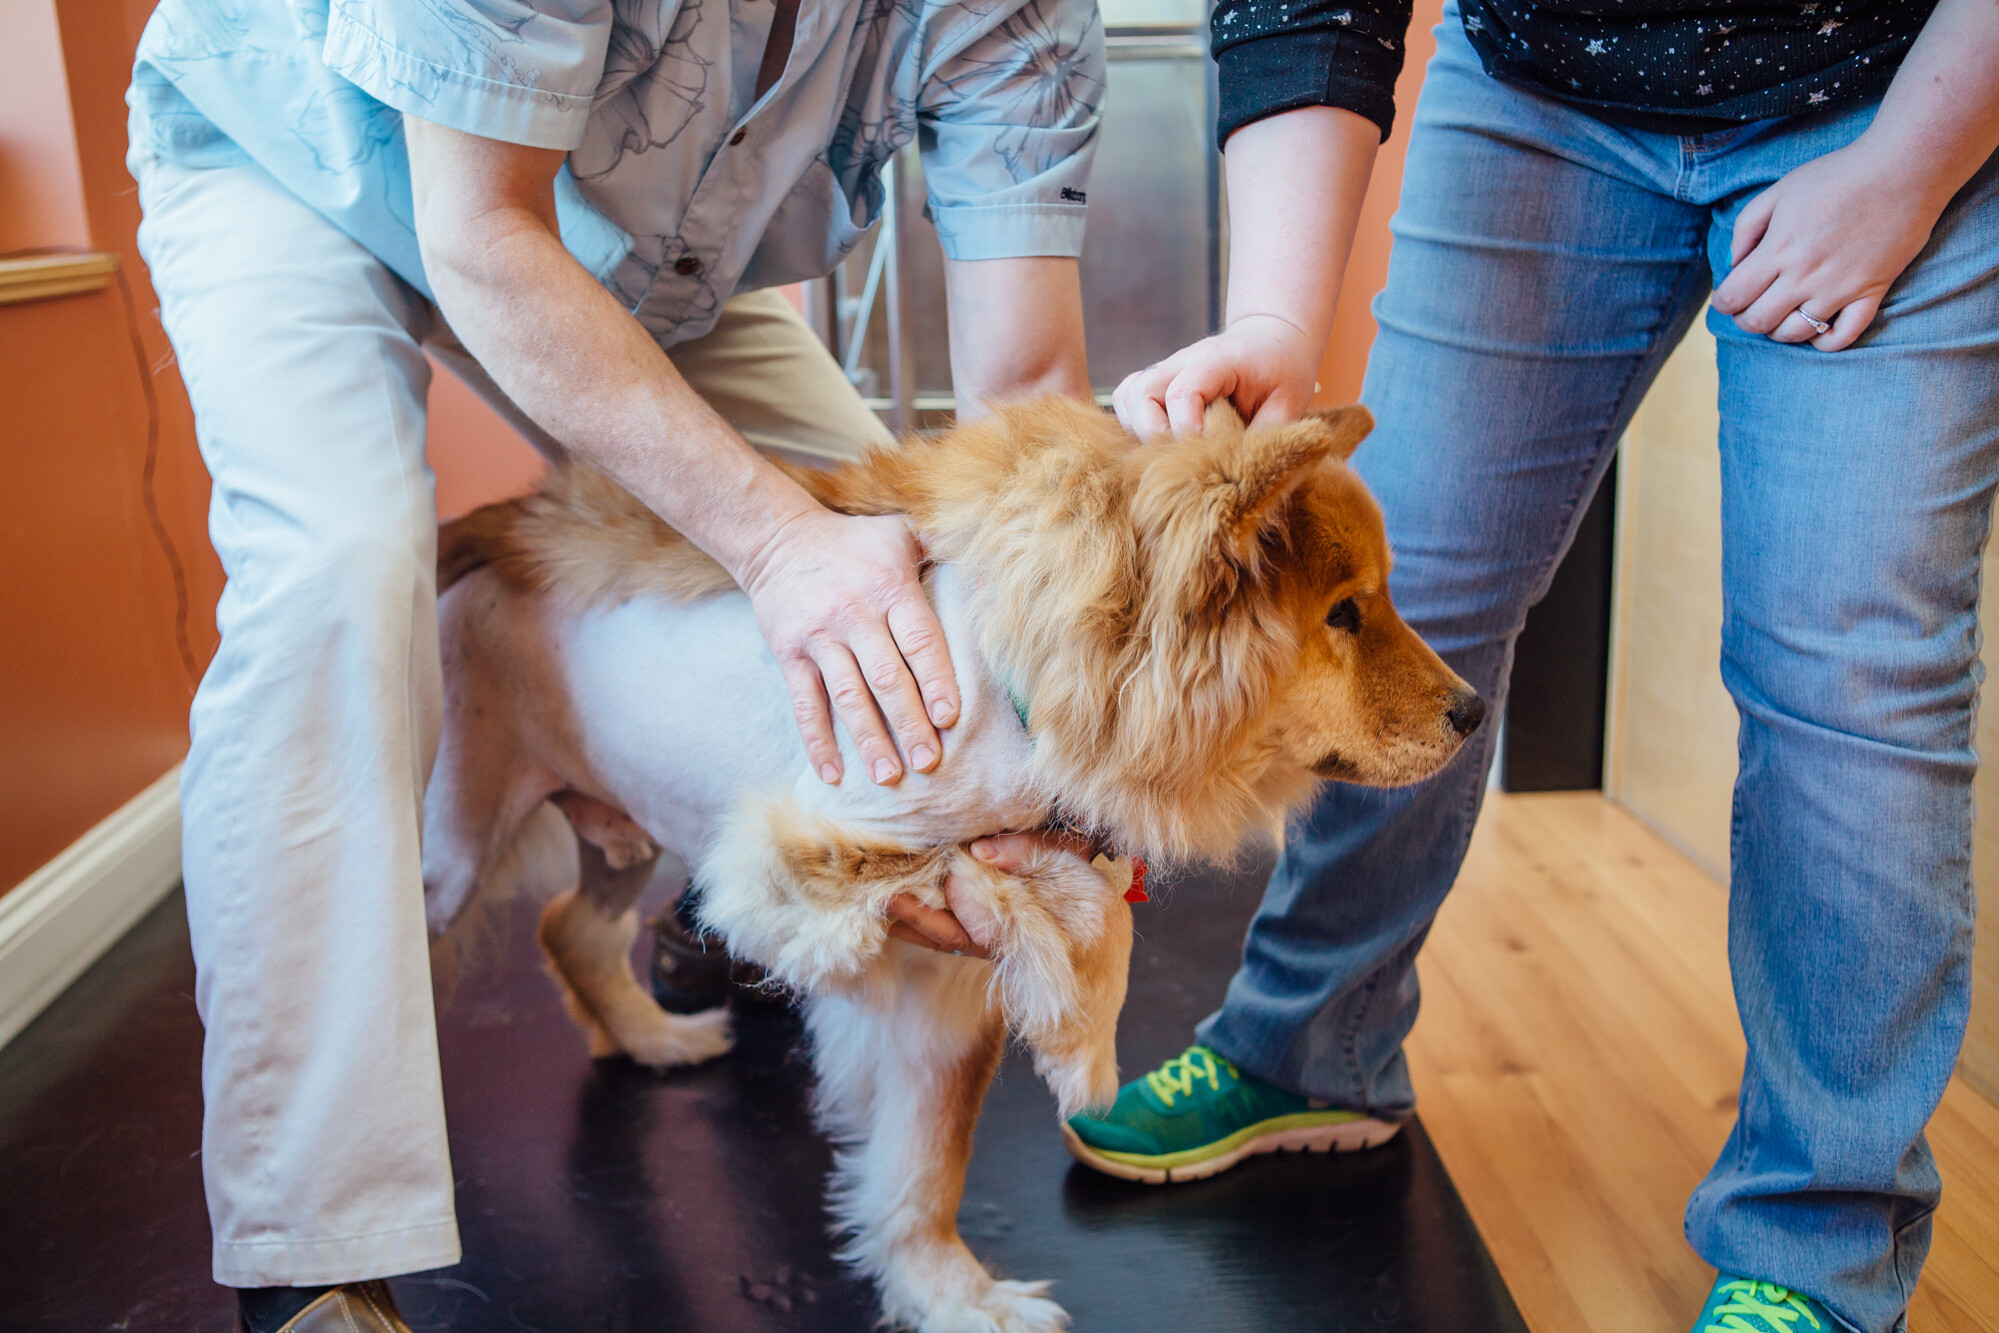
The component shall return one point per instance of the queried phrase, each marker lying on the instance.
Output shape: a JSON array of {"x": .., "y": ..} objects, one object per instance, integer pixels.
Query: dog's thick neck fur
[{"x": 1116, "y": 584}]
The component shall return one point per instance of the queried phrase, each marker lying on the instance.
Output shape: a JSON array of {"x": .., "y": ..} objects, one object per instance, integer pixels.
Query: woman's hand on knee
[
  {"x": 1265, "y": 364},
  {"x": 1829, "y": 238}
]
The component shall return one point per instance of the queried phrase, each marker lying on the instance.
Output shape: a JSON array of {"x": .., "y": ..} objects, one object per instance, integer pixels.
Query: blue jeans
[{"x": 1545, "y": 265}]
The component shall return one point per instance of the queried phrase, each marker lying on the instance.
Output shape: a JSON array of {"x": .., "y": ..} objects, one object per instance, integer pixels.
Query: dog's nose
[{"x": 1467, "y": 711}]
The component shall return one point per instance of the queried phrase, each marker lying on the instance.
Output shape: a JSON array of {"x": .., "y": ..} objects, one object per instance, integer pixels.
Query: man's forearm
[
  {"x": 1940, "y": 116},
  {"x": 1296, "y": 182},
  {"x": 588, "y": 373}
]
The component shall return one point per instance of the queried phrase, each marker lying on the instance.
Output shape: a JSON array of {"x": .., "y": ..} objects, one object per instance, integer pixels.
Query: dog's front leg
[
  {"x": 587, "y": 934},
  {"x": 902, "y": 1073}
]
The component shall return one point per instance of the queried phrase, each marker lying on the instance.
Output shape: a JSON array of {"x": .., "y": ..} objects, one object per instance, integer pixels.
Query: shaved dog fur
[{"x": 1196, "y": 632}]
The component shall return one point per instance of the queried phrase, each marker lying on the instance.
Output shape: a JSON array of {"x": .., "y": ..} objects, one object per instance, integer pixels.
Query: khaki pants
[{"x": 323, "y": 1144}]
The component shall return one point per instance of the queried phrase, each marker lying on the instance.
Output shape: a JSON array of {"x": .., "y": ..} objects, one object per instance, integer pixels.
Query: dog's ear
[
  {"x": 1349, "y": 426},
  {"x": 1203, "y": 502},
  {"x": 1256, "y": 475},
  {"x": 1221, "y": 420},
  {"x": 1276, "y": 460}
]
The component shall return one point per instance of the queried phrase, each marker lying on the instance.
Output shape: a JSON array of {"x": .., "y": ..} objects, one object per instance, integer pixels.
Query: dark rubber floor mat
[{"x": 596, "y": 1196}]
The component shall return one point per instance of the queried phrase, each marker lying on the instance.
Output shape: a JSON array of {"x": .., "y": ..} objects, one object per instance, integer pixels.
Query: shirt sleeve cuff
[
  {"x": 510, "y": 113},
  {"x": 1009, "y": 231},
  {"x": 1285, "y": 71}
]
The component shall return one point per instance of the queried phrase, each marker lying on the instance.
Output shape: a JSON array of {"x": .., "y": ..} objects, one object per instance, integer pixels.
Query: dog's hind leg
[
  {"x": 901, "y": 1081},
  {"x": 587, "y": 935}
]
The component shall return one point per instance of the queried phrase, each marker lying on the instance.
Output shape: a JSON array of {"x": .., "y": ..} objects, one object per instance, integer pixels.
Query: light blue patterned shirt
[{"x": 677, "y": 192}]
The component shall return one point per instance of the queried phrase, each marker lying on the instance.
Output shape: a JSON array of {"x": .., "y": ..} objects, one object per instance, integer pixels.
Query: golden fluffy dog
[{"x": 1163, "y": 645}]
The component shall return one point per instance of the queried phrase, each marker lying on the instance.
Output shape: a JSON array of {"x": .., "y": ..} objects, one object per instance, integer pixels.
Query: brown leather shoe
[{"x": 357, "y": 1307}]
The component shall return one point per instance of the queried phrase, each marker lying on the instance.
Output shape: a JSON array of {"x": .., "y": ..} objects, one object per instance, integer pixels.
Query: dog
[{"x": 1163, "y": 646}]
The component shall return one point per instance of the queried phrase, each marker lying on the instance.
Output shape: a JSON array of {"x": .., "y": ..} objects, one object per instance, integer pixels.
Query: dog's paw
[
  {"x": 1079, "y": 1084},
  {"x": 1003, "y": 1307},
  {"x": 679, "y": 1039}
]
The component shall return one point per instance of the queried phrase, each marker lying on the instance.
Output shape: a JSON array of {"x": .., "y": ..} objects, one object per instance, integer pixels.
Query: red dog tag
[{"x": 1136, "y": 893}]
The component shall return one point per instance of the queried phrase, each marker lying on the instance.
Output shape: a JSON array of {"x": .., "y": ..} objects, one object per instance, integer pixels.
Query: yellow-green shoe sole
[{"x": 1306, "y": 1132}]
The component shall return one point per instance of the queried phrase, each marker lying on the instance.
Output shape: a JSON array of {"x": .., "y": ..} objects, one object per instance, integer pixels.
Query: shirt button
[
  {"x": 739, "y": 135},
  {"x": 687, "y": 266}
]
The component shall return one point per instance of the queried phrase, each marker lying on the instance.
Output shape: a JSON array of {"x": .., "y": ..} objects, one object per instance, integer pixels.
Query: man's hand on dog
[
  {"x": 838, "y": 600},
  {"x": 968, "y": 928}
]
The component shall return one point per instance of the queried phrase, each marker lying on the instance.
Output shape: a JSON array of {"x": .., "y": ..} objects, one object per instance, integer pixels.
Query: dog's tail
[{"x": 474, "y": 541}]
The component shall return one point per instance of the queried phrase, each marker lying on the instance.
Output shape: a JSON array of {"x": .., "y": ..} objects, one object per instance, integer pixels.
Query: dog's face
[
  {"x": 1267, "y": 602},
  {"x": 1204, "y": 625},
  {"x": 1200, "y": 627},
  {"x": 1365, "y": 700}
]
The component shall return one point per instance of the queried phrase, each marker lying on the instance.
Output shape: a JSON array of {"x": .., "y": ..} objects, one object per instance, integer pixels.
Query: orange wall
[
  {"x": 93, "y": 686},
  {"x": 93, "y": 691},
  {"x": 477, "y": 456},
  {"x": 1367, "y": 271}
]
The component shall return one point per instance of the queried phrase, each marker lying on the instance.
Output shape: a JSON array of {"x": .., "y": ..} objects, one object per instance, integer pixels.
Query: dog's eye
[{"x": 1345, "y": 615}]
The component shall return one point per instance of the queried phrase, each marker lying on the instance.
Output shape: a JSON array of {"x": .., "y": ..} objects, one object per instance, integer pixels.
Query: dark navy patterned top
[{"x": 1625, "y": 59}]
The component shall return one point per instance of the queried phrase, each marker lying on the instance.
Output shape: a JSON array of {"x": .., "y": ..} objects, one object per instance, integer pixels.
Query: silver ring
[{"x": 1823, "y": 326}]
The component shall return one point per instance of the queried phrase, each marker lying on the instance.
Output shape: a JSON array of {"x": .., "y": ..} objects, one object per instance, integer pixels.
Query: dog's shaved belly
[
  {"x": 671, "y": 712},
  {"x": 677, "y": 709}
]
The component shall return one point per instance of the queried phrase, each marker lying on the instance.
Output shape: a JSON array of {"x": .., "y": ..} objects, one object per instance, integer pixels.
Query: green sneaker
[
  {"x": 1197, "y": 1115},
  {"x": 1741, "y": 1305}
]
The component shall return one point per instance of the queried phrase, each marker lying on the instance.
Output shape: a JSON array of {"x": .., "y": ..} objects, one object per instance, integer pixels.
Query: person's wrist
[
  {"x": 1289, "y": 350},
  {"x": 1292, "y": 332},
  {"x": 1272, "y": 323},
  {"x": 759, "y": 546},
  {"x": 1895, "y": 169}
]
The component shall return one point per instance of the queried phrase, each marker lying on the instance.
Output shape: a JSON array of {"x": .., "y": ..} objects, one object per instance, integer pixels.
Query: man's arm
[
  {"x": 1296, "y": 182},
  {"x": 837, "y": 597},
  {"x": 1016, "y": 331}
]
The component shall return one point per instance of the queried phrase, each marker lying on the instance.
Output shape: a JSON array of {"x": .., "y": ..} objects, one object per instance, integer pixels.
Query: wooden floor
[{"x": 1576, "y": 1064}]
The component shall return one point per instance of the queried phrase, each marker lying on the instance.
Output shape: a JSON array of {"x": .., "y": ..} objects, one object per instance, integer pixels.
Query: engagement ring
[{"x": 1823, "y": 326}]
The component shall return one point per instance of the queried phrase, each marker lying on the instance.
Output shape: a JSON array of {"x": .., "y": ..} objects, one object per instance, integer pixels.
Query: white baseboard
[{"x": 59, "y": 920}]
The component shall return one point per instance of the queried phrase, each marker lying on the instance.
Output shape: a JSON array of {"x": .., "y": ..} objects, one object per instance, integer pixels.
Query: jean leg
[
  {"x": 1542, "y": 272},
  {"x": 1857, "y": 491}
]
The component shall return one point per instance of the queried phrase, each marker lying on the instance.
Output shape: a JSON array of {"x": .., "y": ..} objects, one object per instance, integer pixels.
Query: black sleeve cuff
[{"x": 1287, "y": 70}]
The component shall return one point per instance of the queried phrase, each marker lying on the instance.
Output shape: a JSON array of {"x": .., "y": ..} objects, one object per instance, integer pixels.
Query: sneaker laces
[
  {"x": 1777, "y": 1307},
  {"x": 1176, "y": 1078}
]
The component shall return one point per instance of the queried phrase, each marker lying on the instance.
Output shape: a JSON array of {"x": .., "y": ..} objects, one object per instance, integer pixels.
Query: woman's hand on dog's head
[
  {"x": 1264, "y": 364},
  {"x": 839, "y": 601}
]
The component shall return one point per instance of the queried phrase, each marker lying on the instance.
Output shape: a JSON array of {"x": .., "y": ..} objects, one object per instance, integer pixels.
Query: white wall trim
[{"x": 59, "y": 920}]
